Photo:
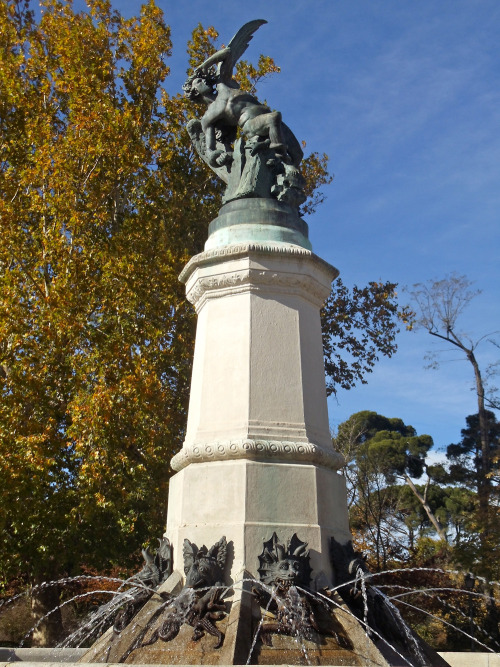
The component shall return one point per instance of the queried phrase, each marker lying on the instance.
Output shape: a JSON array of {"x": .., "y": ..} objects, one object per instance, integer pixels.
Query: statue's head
[{"x": 198, "y": 85}]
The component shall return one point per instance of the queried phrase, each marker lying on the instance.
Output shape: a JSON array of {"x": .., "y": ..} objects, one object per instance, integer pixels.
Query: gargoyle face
[
  {"x": 203, "y": 573},
  {"x": 204, "y": 567},
  {"x": 287, "y": 573},
  {"x": 283, "y": 566}
]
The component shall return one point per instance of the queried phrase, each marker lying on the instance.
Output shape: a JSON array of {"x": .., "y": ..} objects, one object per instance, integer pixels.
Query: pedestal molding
[
  {"x": 255, "y": 280},
  {"x": 261, "y": 450},
  {"x": 239, "y": 250}
]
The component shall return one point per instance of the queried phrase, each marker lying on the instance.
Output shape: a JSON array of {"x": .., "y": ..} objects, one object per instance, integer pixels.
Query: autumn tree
[
  {"x": 95, "y": 335},
  {"x": 101, "y": 202}
]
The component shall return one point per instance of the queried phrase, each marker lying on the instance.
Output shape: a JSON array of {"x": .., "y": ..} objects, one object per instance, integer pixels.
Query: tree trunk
[
  {"x": 432, "y": 518},
  {"x": 483, "y": 482},
  {"x": 46, "y": 615},
  {"x": 490, "y": 623},
  {"x": 484, "y": 486}
]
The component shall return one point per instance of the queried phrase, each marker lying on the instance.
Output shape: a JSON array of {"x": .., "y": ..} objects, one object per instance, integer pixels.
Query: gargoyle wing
[
  {"x": 163, "y": 558},
  {"x": 221, "y": 552},
  {"x": 189, "y": 551},
  {"x": 296, "y": 547}
]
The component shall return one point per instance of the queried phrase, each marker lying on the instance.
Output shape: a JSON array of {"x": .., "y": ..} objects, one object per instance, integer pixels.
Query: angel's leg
[{"x": 266, "y": 124}]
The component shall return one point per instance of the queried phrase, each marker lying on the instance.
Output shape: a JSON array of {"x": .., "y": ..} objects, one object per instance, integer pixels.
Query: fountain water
[
  {"x": 296, "y": 621},
  {"x": 276, "y": 619}
]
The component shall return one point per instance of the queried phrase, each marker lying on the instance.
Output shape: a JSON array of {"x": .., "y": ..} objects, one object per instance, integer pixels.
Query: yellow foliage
[{"x": 101, "y": 203}]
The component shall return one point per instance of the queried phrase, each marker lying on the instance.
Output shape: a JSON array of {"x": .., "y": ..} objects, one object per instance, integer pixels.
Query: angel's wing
[{"x": 237, "y": 47}]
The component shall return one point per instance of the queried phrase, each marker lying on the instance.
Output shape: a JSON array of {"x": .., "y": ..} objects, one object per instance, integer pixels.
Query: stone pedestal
[
  {"x": 258, "y": 388},
  {"x": 248, "y": 500},
  {"x": 258, "y": 455}
]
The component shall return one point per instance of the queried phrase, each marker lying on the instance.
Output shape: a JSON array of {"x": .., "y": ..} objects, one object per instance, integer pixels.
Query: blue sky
[{"x": 404, "y": 97}]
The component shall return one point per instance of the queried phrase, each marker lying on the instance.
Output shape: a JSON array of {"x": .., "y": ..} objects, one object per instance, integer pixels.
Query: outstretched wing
[{"x": 237, "y": 47}]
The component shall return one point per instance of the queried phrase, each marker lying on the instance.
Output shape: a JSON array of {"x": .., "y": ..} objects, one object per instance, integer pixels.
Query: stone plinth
[
  {"x": 248, "y": 500},
  {"x": 258, "y": 455},
  {"x": 258, "y": 388}
]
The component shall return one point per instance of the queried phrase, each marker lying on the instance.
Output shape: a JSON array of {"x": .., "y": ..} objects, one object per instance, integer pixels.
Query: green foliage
[
  {"x": 380, "y": 452},
  {"x": 358, "y": 327},
  {"x": 387, "y": 443},
  {"x": 466, "y": 456},
  {"x": 393, "y": 521},
  {"x": 475, "y": 547}
]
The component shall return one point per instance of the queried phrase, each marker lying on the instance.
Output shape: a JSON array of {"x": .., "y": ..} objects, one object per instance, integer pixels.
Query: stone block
[{"x": 248, "y": 500}]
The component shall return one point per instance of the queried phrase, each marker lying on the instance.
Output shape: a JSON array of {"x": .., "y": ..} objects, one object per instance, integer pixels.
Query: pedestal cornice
[
  {"x": 259, "y": 450},
  {"x": 239, "y": 250},
  {"x": 257, "y": 267}
]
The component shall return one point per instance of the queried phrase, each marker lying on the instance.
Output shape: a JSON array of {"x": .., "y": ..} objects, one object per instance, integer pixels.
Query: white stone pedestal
[{"x": 258, "y": 456}]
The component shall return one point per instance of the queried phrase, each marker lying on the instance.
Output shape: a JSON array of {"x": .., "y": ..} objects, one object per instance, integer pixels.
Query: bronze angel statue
[{"x": 263, "y": 134}]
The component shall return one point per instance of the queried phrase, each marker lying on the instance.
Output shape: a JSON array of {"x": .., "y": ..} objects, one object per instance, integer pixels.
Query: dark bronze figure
[
  {"x": 200, "y": 602},
  {"x": 155, "y": 571},
  {"x": 264, "y": 161},
  {"x": 284, "y": 568}
]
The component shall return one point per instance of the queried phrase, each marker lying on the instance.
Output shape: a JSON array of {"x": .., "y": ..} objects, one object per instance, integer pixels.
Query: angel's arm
[{"x": 217, "y": 57}]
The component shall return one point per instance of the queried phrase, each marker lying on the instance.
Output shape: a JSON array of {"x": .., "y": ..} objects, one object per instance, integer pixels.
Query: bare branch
[{"x": 441, "y": 302}]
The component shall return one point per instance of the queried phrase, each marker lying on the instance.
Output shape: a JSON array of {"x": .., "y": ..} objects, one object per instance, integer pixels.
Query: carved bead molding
[
  {"x": 261, "y": 450},
  {"x": 313, "y": 283}
]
